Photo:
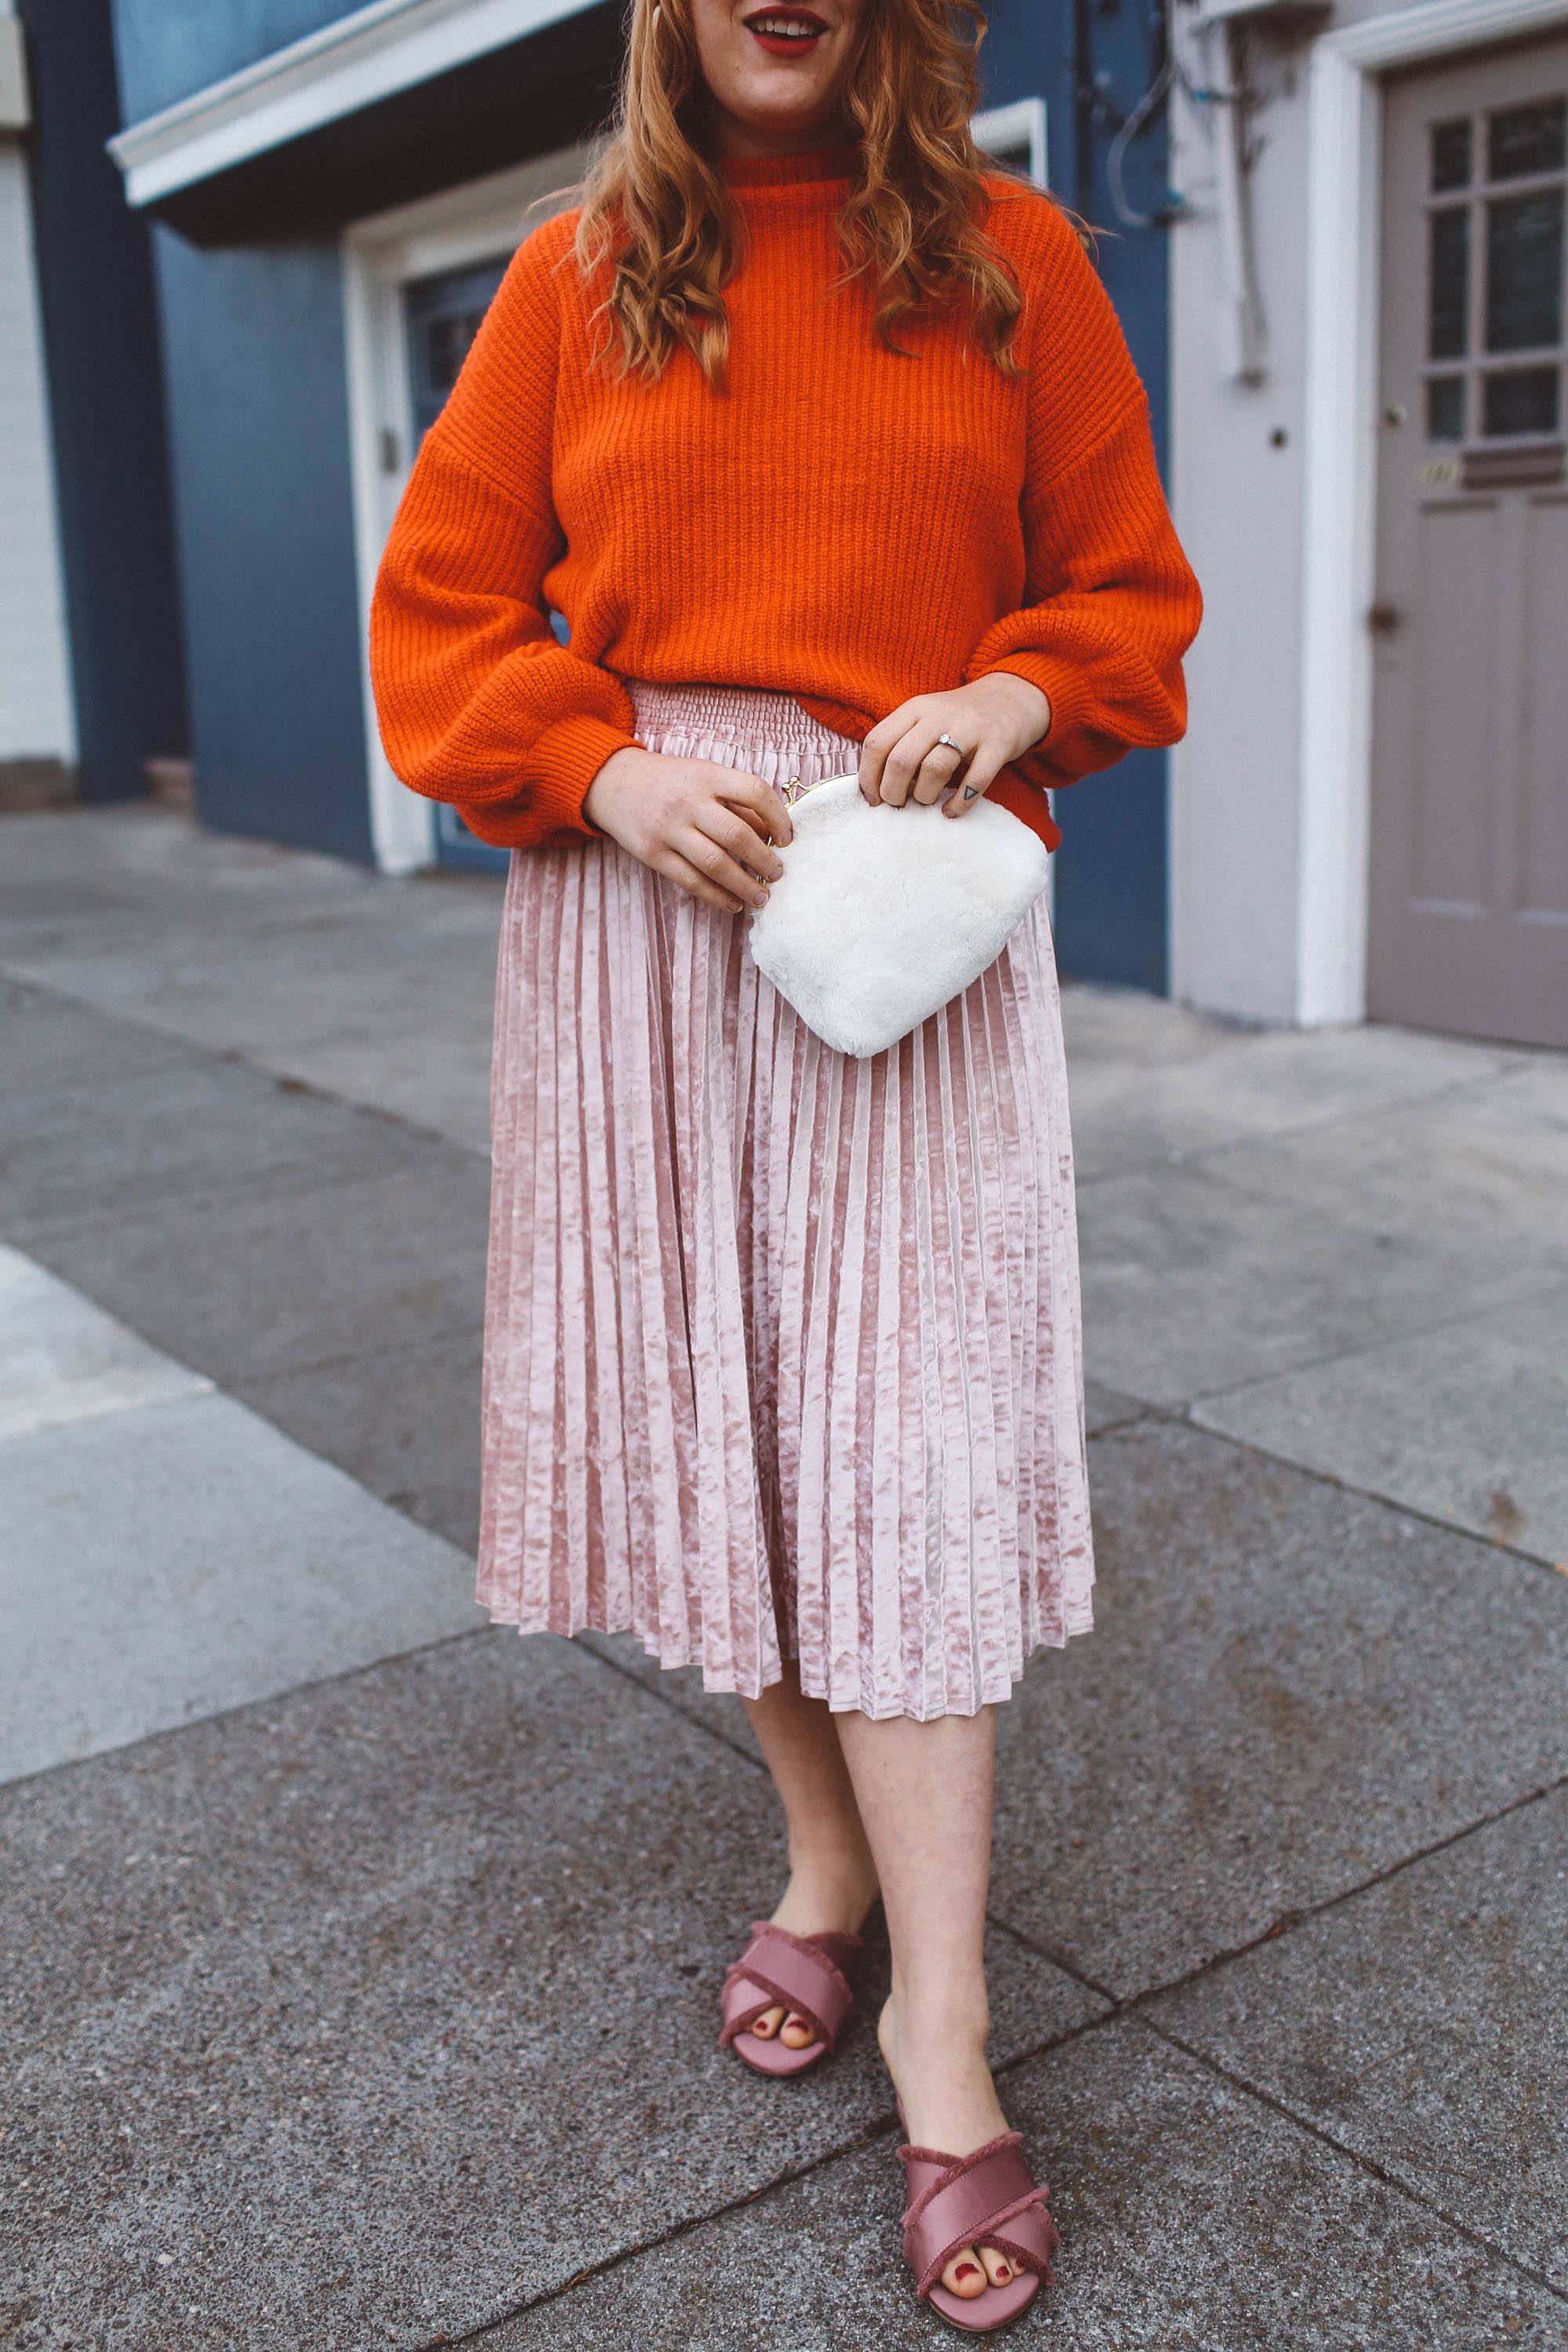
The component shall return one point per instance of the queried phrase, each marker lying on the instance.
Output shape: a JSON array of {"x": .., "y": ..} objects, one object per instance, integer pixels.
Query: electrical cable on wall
[
  {"x": 1235, "y": 156},
  {"x": 1169, "y": 75}
]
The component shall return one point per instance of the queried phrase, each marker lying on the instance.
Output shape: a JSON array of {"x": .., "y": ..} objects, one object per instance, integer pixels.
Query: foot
[
  {"x": 817, "y": 1901},
  {"x": 949, "y": 2105}
]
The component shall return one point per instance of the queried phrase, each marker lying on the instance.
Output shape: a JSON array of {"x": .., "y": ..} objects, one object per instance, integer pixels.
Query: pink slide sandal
[
  {"x": 809, "y": 1974},
  {"x": 990, "y": 2198}
]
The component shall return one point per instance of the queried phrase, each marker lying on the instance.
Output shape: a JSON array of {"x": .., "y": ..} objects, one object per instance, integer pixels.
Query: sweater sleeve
[
  {"x": 478, "y": 704},
  {"x": 1110, "y": 603}
]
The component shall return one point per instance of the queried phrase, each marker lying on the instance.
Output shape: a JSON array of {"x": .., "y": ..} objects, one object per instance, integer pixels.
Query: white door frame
[
  {"x": 1021, "y": 125},
  {"x": 380, "y": 256},
  {"x": 1344, "y": 147}
]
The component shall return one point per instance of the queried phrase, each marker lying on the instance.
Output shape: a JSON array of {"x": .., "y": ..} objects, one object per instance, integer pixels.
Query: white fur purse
[{"x": 883, "y": 914}]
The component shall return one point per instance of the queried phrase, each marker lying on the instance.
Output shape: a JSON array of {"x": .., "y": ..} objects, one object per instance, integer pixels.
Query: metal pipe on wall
[{"x": 1242, "y": 329}]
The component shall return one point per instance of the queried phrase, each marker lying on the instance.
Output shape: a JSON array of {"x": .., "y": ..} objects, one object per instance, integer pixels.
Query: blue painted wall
[
  {"x": 1092, "y": 60},
  {"x": 258, "y": 412},
  {"x": 106, "y": 402},
  {"x": 252, "y": 326},
  {"x": 253, "y": 346},
  {"x": 168, "y": 49}
]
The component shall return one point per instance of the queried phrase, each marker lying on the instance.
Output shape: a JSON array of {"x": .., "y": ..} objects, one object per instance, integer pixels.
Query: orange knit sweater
[{"x": 844, "y": 524}]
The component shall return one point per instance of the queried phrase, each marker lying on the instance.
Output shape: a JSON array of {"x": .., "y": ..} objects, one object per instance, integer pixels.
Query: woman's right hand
[{"x": 706, "y": 826}]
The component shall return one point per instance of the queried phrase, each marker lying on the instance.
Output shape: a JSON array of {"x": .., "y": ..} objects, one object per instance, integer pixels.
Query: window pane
[
  {"x": 1527, "y": 139},
  {"x": 446, "y": 342},
  {"x": 1448, "y": 327},
  {"x": 1451, "y": 155},
  {"x": 1446, "y": 408},
  {"x": 1520, "y": 400},
  {"x": 1524, "y": 271}
]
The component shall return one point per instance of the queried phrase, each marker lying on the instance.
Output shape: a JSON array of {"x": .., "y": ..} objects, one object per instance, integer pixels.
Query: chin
[{"x": 784, "y": 121}]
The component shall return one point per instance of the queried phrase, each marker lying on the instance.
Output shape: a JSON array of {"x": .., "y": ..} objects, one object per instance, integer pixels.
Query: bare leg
[
  {"x": 833, "y": 1880},
  {"x": 924, "y": 1792}
]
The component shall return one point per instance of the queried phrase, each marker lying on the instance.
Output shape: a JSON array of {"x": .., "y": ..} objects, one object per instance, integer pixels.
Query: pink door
[{"x": 1468, "y": 879}]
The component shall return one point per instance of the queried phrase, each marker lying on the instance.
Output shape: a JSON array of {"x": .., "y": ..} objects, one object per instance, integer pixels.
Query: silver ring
[{"x": 950, "y": 745}]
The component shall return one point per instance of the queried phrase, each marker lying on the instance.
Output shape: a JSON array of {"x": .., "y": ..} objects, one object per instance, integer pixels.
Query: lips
[{"x": 785, "y": 30}]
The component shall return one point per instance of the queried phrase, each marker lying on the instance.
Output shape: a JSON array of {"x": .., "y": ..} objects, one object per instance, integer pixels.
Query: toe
[
  {"x": 998, "y": 2269},
  {"x": 797, "y": 2031},
  {"x": 767, "y": 2025},
  {"x": 963, "y": 2276}
]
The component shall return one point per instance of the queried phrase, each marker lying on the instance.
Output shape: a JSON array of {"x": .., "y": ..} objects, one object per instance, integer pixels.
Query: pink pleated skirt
[{"x": 782, "y": 1349}]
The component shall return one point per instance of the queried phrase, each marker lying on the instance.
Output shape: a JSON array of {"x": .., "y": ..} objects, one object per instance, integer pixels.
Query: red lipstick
[{"x": 785, "y": 31}]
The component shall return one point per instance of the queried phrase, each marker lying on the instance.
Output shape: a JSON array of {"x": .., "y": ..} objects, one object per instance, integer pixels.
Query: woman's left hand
[{"x": 999, "y": 718}]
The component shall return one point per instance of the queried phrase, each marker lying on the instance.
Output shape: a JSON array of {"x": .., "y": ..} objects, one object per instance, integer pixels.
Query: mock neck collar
[{"x": 814, "y": 167}]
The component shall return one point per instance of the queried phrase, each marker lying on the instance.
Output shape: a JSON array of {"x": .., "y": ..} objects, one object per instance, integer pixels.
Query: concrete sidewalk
[{"x": 362, "y": 1961}]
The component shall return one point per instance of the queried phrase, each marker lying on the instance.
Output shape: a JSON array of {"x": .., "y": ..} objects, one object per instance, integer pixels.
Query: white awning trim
[{"x": 390, "y": 45}]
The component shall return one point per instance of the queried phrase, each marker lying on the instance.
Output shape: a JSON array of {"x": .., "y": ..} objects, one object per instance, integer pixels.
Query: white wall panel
[
  {"x": 35, "y": 718},
  {"x": 1236, "y": 494},
  {"x": 1272, "y": 484}
]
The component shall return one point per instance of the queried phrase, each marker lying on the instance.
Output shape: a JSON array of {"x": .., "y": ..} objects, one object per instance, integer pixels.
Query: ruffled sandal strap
[
  {"x": 806, "y": 1973},
  {"x": 990, "y": 2197}
]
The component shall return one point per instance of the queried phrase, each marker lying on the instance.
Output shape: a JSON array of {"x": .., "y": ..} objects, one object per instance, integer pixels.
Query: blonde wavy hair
[{"x": 654, "y": 199}]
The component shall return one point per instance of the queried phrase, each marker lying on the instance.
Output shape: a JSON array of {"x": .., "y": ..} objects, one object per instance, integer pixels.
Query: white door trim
[
  {"x": 1344, "y": 137},
  {"x": 1021, "y": 125},
  {"x": 380, "y": 256}
]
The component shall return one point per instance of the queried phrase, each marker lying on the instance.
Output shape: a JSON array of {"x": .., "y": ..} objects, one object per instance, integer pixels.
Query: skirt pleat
[{"x": 782, "y": 1348}]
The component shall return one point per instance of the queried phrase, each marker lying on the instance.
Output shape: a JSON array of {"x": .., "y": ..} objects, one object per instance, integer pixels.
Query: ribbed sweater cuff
[
  {"x": 566, "y": 757},
  {"x": 1065, "y": 685}
]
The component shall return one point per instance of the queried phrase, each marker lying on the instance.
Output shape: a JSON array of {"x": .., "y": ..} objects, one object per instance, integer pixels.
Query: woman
[{"x": 826, "y": 445}]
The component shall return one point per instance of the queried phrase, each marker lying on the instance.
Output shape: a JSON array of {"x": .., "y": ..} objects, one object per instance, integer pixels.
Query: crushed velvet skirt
[{"x": 782, "y": 1349}]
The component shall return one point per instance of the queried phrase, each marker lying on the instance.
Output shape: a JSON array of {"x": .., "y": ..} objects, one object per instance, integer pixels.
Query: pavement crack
[
  {"x": 1181, "y": 1416},
  {"x": 1371, "y": 1347},
  {"x": 1356, "y": 2156},
  {"x": 1427, "y": 1518},
  {"x": 277, "y": 1075},
  {"x": 174, "y": 1731},
  {"x": 667, "y": 1699},
  {"x": 671, "y": 2236},
  {"x": 1284, "y": 1924},
  {"x": 1362, "y": 1114},
  {"x": 880, "y": 2128}
]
